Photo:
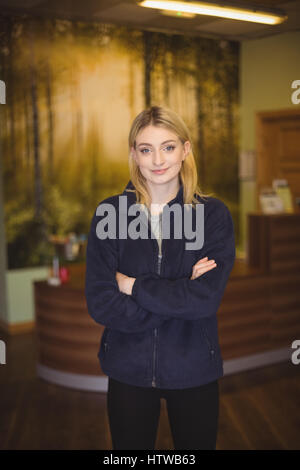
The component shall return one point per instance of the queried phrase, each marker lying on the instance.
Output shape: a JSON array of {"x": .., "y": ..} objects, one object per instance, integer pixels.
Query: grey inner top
[{"x": 155, "y": 227}]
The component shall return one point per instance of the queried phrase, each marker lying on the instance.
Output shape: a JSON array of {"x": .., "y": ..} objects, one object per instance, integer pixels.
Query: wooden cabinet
[
  {"x": 274, "y": 247},
  {"x": 274, "y": 243}
]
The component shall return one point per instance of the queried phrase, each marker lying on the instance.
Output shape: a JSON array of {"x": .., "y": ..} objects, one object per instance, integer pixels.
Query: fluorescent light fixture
[
  {"x": 253, "y": 14},
  {"x": 178, "y": 14}
]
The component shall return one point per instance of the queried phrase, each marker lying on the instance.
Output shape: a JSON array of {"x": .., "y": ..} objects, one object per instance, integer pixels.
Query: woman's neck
[{"x": 161, "y": 194}]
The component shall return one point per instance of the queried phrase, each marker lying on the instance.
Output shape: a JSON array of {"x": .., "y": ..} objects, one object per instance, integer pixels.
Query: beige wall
[{"x": 267, "y": 69}]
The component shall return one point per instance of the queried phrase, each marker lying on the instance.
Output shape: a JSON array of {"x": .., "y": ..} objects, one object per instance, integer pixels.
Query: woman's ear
[{"x": 186, "y": 148}]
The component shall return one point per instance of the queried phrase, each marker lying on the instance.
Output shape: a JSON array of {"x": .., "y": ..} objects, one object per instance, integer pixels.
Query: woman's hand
[
  {"x": 125, "y": 283},
  {"x": 202, "y": 266}
]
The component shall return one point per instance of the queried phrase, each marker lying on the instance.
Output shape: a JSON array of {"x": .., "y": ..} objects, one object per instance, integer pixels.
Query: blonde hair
[{"x": 168, "y": 119}]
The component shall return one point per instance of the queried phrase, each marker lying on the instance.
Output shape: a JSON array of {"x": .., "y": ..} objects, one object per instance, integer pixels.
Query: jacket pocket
[
  {"x": 208, "y": 342},
  {"x": 106, "y": 340}
]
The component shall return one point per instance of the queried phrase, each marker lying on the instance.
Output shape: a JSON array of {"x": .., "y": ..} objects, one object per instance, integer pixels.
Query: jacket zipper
[
  {"x": 106, "y": 341},
  {"x": 158, "y": 271},
  {"x": 211, "y": 349}
]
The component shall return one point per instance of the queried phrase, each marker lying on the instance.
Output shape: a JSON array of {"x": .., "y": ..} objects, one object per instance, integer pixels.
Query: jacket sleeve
[
  {"x": 194, "y": 299},
  {"x": 106, "y": 304}
]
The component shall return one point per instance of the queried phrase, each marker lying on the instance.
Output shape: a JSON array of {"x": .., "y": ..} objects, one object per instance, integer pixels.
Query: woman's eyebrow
[{"x": 160, "y": 144}]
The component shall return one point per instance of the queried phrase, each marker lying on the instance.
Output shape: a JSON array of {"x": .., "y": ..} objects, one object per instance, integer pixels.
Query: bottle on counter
[
  {"x": 54, "y": 279},
  {"x": 64, "y": 274}
]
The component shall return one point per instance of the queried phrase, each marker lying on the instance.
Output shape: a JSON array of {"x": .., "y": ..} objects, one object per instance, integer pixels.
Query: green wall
[{"x": 20, "y": 293}]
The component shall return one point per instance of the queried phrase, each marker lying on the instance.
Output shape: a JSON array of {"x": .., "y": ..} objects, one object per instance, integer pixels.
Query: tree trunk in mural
[
  {"x": 27, "y": 130},
  {"x": 165, "y": 69},
  {"x": 147, "y": 65},
  {"x": 154, "y": 53},
  {"x": 50, "y": 113},
  {"x": 200, "y": 117},
  {"x": 75, "y": 99},
  {"x": 38, "y": 190},
  {"x": 50, "y": 120},
  {"x": 11, "y": 93}
]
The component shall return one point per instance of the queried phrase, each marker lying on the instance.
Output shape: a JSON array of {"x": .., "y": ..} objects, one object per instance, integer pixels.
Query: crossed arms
[{"x": 131, "y": 304}]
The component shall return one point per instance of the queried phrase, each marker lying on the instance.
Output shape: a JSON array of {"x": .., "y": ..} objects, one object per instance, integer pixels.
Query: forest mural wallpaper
[{"x": 73, "y": 90}]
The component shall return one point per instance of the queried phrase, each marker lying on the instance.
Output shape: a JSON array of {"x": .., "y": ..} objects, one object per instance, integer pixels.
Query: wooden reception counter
[{"x": 258, "y": 319}]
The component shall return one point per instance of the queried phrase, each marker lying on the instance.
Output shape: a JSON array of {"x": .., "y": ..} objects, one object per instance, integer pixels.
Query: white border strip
[
  {"x": 91, "y": 383},
  {"x": 95, "y": 383},
  {"x": 231, "y": 366}
]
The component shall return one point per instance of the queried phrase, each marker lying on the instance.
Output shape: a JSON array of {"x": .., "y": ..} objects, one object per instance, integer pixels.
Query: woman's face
[{"x": 159, "y": 149}]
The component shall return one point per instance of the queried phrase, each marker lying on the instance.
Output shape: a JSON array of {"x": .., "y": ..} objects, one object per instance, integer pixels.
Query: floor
[{"x": 259, "y": 409}]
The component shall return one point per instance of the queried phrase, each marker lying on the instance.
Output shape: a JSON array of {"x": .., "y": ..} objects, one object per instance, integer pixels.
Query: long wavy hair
[{"x": 166, "y": 118}]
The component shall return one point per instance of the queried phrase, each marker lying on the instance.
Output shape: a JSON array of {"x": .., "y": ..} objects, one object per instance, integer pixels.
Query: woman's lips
[{"x": 160, "y": 172}]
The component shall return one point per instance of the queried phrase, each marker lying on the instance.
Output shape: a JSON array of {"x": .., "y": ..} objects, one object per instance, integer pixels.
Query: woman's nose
[{"x": 158, "y": 158}]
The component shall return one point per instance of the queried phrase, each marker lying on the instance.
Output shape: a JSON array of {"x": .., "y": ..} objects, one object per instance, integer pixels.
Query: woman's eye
[{"x": 169, "y": 148}]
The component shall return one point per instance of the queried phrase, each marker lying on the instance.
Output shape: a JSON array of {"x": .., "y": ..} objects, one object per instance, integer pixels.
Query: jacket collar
[{"x": 131, "y": 196}]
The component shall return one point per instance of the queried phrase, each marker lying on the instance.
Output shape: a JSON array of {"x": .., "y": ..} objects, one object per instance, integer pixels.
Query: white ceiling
[{"x": 127, "y": 12}]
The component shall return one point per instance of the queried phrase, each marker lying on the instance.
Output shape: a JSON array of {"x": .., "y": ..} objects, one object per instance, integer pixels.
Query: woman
[{"x": 158, "y": 299}]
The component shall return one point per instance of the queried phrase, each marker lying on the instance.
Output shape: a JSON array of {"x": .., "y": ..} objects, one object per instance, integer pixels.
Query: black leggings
[{"x": 134, "y": 412}]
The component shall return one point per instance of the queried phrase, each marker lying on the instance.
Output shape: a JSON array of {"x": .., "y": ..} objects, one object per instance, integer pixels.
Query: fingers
[
  {"x": 120, "y": 276},
  {"x": 201, "y": 261},
  {"x": 203, "y": 264},
  {"x": 201, "y": 268},
  {"x": 200, "y": 273}
]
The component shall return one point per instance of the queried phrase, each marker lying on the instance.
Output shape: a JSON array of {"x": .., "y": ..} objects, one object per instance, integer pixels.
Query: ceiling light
[
  {"x": 178, "y": 14},
  {"x": 253, "y": 14}
]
